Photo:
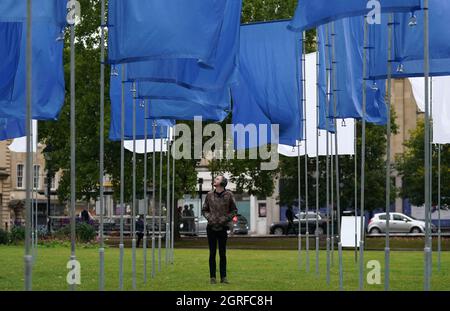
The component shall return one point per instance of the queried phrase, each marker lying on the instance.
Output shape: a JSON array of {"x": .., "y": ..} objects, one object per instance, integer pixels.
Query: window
[
  {"x": 19, "y": 183},
  {"x": 382, "y": 217},
  {"x": 36, "y": 175},
  {"x": 52, "y": 183},
  {"x": 398, "y": 217}
]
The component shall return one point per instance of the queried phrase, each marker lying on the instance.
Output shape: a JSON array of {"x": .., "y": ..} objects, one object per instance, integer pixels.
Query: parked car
[
  {"x": 280, "y": 228},
  {"x": 398, "y": 223},
  {"x": 240, "y": 225}
]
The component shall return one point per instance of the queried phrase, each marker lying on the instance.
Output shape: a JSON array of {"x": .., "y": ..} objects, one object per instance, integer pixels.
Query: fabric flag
[
  {"x": 10, "y": 37},
  {"x": 167, "y": 91},
  {"x": 349, "y": 40},
  {"x": 345, "y": 128},
  {"x": 48, "y": 87},
  {"x": 324, "y": 85},
  {"x": 188, "y": 72},
  {"x": 11, "y": 128},
  {"x": 154, "y": 29},
  {"x": 440, "y": 101},
  {"x": 43, "y": 11},
  {"x": 408, "y": 51},
  {"x": 313, "y": 13},
  {"x": 269, "y": 90},
  {"x": 116, "y": 113}
]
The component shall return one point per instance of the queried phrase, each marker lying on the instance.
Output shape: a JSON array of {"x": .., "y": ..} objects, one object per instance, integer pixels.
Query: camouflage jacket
[{"x": 219, "y": 209}]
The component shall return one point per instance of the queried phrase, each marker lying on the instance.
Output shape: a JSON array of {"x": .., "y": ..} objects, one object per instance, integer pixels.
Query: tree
[{"x": 410, "y": 166}]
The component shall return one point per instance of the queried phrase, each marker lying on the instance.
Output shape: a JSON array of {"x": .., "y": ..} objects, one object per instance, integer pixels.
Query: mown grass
[{"x": 269, "y": 270}]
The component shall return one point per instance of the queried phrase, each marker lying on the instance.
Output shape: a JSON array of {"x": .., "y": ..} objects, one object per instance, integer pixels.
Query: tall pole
[
  {"x": 153, "y": 197},
  {"x": 439, "y": 209},
  {"x": 427, "y": 249},
  {"x": 101, "y": 250},
  {"x": 356, "y": 190},
  {"x": 299, "y": 189},
  {"x": 316, "y": 233},
  {"x": 338, "y": 187},
  {"x": 160, "y": 195},
  {"x": 388, "y": 158},
  {"x": 168, "y": 205},
  {"x": 299, "y": 178},
  {"x": 363, "y": 158},
  {"x": 306, "y": 152},
  {"x": 172, "y": 239},
  {"x": 72, "y": 145},
  {"x": 144, "y": 246},
  {"x": 28, "y": 268},
  {"x": 122, "y": 178},
  {"x": 133, "y": 208},
  {"x": 327, "y": 114}
]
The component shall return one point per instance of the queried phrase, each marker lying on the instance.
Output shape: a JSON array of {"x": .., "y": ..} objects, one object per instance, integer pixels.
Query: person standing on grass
[
  {"x": 219, "y": 209},
  {"x": 290, "y": 218},
  {"x": 140, "y": 229}
]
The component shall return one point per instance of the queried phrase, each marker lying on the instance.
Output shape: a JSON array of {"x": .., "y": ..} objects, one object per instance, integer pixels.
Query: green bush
[
  {"x": 84, "y": 232},
  {"x": 17, "y": 234},
  {"x": 4, "y": 237}
]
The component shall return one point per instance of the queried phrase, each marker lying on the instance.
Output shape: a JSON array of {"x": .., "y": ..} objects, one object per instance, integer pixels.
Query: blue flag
[
  {"x": 11, "y": 128},
  {"x": 170, "y": 29},
  {"x": 43, "y": 11},
  {"x": 326, "y": 112},
  {"x": 270, "y": 77},
  {"x": 166, "y": 91},
  {"x": 313, "y": 13},
  {"x": 191, "y": 74},
  {"x": 408, "y": 49},
  {"x": 10, "y": 38},
  {"x": 349, "y": 39},
  {"x": 116, "y": 114},
  {"x": 48, "y": 88}
]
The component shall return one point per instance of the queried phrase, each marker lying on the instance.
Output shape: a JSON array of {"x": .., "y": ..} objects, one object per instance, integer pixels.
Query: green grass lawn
[{"x": 248, "y": 270}]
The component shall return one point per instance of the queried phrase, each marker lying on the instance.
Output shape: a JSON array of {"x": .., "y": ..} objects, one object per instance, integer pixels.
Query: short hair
[{"x": 224, "y": 181}]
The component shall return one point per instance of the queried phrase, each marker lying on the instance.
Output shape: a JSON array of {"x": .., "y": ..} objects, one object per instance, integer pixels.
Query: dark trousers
[
  {"x": 140, "y": 235},
  {"x": 214, "y": 238}
]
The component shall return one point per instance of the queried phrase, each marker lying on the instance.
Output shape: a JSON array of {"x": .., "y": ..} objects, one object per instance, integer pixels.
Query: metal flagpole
[
  {"x": 316, "y": 233},
  {"x": 306, "y": 153},
  {"x": 101, "y": 250},
  {"x": 430, "y": 236},
  {"x": 439, "y": 209},
  {"x": 27, "y": 257},
  {"x": 133, "y": 208},
  {"x": 338, "y": 191},
  {"x": 122, "y": 178},
  {"x": 72, "y": 145},
  {"x": 153, "y": 197},
  {"x": 332, "y": 203},
  {"x": 160, "y": 196},
  {"x": 356, "y": 191},
  {"x": 299, "y": 178},
  {"x": 388, "y": 158},
  {"x": 427, "y": 249},
  {"x": 144, "y": 245},
  {"x": 167, "y": 230},
  {"x": 327, "y": 114},
  {"x": 172, "y": 232},
  {"x": 363, "y": 157},
  {"x": 299, "y": 206}
]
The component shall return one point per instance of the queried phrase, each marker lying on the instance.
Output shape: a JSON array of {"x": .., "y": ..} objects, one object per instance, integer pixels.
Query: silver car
[{"x": 398, "y": 223}]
